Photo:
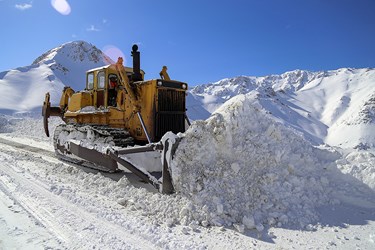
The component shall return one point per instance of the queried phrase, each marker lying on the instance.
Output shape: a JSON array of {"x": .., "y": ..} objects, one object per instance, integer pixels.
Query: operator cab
[
  {"x": 112, "y": 90},
  {"x": 104, "y": 91}
]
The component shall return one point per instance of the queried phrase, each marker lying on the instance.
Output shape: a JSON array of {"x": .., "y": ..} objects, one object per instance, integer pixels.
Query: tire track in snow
[
  {"x": 72, "y": 225},
  {"x": 26, "y": 147},
  {"x": 18, "y": 230},
  {"x": 136, "y": 181}
]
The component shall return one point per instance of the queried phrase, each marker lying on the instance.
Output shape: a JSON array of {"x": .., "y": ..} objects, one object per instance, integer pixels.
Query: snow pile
[
  {"x": 3, "y": 123},
  {"x": 148, "y": 205},
  {"x": 242, "y": 168},
  {"x": 361, "y": 165},
  {"x": 28, "y": 126}
]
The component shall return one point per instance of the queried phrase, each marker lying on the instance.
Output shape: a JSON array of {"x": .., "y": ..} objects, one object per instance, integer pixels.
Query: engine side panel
[{"x": 79, "y": 100}]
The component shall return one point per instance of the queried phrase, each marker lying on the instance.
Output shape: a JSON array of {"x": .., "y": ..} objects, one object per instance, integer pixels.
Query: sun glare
[
  {"x": 61, "y": 6},
  {"x": 114, "y": 53}
]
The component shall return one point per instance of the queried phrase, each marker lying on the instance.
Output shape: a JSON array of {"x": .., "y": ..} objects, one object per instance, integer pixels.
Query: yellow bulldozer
[{"x": 119, "y": 114}]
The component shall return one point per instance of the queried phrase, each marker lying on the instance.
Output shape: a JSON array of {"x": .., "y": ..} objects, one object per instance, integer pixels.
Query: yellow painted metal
[
  {"x": 147, "y": 92},
  {"x": 164, "y": 74},
  {"x": 125, "y": 83},
  {"x": 64, "y": 100},
  {"x": 79, "y": 100},
  {"x": 131, "y": 98}
]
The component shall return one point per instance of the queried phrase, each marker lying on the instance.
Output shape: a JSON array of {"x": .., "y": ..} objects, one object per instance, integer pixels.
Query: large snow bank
[
  {"x": 28, "y": 125},
  {"x": 242, "y": 168},
  {"x": 361, "y": 165}
]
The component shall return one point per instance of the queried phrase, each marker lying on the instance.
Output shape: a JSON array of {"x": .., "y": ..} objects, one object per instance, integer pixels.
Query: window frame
[
  {"x": 90, "y": 85},
  {"x": 101, "y": 75}
]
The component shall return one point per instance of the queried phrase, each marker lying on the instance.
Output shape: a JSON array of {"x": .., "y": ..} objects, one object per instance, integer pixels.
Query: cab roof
[{"x": 127, "y": 69}]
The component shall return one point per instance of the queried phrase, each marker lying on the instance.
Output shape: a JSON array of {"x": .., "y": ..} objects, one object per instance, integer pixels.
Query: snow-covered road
[
  {"x": 46, "y": 203},
  {"x": 69, "y": 223}
]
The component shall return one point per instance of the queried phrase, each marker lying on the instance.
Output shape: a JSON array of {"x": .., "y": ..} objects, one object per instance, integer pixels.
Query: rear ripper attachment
[
  {"x": 47, "y": 111},
  {"x": 117, "y": 110}
]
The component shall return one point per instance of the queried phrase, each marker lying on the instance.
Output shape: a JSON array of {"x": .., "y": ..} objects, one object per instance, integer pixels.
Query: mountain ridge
[
  {"x": 82, "y": 50},
  {"x": 71, "y": 60},
  {"x": 322, "y": 105}
]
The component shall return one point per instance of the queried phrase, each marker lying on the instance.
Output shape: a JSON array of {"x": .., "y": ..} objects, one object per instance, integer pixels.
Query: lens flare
[
  {"x": 114, "y": 53},
  {"x": 61, "y": 6}
]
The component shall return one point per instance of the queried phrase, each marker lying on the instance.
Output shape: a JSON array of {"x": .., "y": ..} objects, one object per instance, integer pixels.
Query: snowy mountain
[
  {"x": 335, "y": 107},
  {"x": 70, "y": 61},
  {"x": 62, "y": 66}
]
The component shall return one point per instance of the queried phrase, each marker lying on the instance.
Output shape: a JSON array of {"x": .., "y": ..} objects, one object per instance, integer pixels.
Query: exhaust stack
[{"x": 137, "y": 76}]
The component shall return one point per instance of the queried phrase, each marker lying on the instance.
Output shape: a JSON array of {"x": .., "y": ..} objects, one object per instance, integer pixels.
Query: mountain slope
[
  {"x": 70, "y": 61},
  {"x": 336, "y": 107},
  {"x": 24, "y": 88},
  {"x": 67, "y": 64}
]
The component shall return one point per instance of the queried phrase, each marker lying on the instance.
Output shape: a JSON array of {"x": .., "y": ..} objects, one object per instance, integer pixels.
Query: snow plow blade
[
  {"x": 104, "y": 161},
  {"x": 113, "y": 156},
  {"x": 164, "y": 184},
  {"x": 48, "y": 111},
  {"x": 167, "y": 147}
]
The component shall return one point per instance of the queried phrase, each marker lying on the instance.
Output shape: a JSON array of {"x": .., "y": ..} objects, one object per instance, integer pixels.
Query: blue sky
[{"x": 200, "y": 41}]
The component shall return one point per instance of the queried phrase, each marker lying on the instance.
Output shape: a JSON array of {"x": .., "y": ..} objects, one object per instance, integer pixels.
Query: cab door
[
  {"x": 90, "y": 83},
  {"x": 100, "y": 89}
]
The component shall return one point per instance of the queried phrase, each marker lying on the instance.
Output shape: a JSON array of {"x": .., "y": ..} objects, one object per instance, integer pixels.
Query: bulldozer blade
[
  {"x": 167, "y": 186},
  {"x": 140, "y": 149},
  {"x": 144, "y": 175},
  {"x": 93, "y": 156},
  {"x": 112, "y": 157},
  {"x": 169, "y": 149}
]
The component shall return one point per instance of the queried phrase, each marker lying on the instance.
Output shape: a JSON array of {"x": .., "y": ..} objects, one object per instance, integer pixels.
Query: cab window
[
  {"x": 101, "y": 80},
  {"x": 90, "y": 81}
]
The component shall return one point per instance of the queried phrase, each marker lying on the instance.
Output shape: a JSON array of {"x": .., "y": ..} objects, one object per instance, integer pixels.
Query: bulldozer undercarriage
[{"x": 106, "y": 149}]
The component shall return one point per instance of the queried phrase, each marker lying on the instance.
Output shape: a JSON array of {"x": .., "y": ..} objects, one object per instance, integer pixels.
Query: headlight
[
  {"x": 160, "y": 83},
  {"x": 184, "y": 86}
]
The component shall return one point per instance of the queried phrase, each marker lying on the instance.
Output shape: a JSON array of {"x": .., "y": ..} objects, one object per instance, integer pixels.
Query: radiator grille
[{"x": 170, "y": 115}]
